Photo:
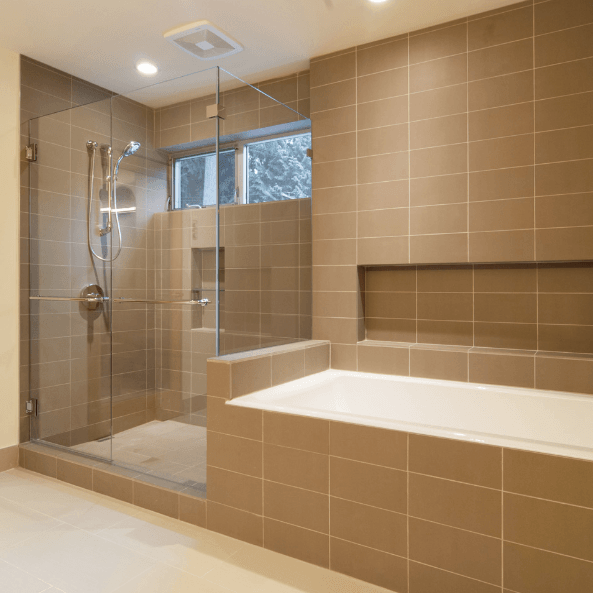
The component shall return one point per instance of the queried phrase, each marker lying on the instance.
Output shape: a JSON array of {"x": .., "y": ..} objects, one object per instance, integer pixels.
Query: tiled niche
[{"x": 526, "y": 325}]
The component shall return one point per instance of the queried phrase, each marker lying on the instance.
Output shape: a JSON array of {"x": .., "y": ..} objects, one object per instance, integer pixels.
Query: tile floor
[
  {"x": 171, "y": 450},
  {"x": 57, "y": 538}
]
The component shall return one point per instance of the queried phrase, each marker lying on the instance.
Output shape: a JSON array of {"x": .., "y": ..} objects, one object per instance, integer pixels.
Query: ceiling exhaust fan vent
[{"x": 203, "y": 40}]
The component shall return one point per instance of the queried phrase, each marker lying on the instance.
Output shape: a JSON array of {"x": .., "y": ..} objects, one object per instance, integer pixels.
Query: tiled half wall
[{"x": 470, "y": 142}]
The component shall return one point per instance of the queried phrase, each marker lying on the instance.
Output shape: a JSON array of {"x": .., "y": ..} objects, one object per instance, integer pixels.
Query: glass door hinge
[
  {"x": 31, "y": 152},
  {"x": 32, "y": 407}
]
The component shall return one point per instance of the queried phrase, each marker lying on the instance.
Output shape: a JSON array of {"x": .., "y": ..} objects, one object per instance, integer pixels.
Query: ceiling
[{"x": 102, "y": 40}]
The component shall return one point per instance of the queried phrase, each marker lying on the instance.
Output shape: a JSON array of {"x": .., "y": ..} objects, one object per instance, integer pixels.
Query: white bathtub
[{"x": 544, "y": 421}]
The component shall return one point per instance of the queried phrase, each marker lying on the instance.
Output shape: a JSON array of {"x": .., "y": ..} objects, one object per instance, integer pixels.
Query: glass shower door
[{"x": 69, "y": 377}]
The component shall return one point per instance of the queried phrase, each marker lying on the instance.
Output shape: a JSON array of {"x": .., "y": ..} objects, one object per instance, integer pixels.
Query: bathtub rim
[{"x": 536, "y": 446}]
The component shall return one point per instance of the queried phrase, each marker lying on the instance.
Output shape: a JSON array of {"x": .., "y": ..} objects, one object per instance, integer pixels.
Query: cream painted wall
[{"x": 9, "y": 247}]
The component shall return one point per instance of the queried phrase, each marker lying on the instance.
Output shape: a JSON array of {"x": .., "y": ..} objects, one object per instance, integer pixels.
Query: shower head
[{"x": 130, "y": 149}]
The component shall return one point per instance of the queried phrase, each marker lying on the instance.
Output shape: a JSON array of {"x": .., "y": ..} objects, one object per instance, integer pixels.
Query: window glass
[
  {"x": 195, "y": 179},
  {"x": 278, "y": 169}
]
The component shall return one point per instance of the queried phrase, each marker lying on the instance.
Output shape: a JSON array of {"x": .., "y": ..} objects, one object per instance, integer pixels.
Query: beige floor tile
[
  {"x": 14, "y": 579},
  {"x": 77, "y": 561},
  {"x": 163, "y": 579},
  {"x": 19, "y": 523},
  {"x": 81, "y": 508},
  {"x": 180, "y": 545}
]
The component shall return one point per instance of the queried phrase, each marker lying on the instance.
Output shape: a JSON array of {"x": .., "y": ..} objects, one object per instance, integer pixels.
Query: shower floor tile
[{"x": 171, "y": 450}]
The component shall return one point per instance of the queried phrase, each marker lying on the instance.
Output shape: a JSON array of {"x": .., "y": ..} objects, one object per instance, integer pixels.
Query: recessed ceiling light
[
  {"x": 146, "y": 68},
  {"x": 377, "y": 1}
]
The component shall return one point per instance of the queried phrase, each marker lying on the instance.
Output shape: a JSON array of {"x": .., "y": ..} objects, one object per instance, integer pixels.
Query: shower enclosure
[{"x": 164, "y": 227}]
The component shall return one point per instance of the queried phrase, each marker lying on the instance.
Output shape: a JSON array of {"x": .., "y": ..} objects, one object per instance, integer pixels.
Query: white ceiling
[{"x": 101, "y": 40}]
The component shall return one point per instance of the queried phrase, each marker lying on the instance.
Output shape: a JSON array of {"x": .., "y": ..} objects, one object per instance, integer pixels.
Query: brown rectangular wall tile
[
  {"x": 110, "y": 484},
  {"x": 551, "y": 526},
  {"x": 159, "y": 500},
  {"x": 294, "y": 467},
  {"x": 235, "y": 490},
  {"x": 297, "y": 432},
  {"x": 233, "y": 420},
  {"x": 369, "y": 526},
  {"x": 456, "y": 460},
  {"x": 369, "y": 444},
  {"x": 192, "y": 510},
  {"x": 528, "y": 569},
  {"x": 235, "y": 454},
  {"x": 296, "y": 506},
  {"x": 439, "y": 364},
  {"x": 235, "y": 523},
  {"x": 502, "y": 369},
  {"x": 369, "y": 565},
  {"x": 303, "y": 544},
  {"x": 473, "y": 508},
  {"x": 373, "y": 485},
  {"x": 427, "y": 579},
  {"x": 462, "y": 552},
  {"x": 550, "y": 477}
]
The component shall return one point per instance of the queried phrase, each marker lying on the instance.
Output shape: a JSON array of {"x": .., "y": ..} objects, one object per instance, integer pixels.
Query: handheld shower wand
[{"x": 129, "y": 150}]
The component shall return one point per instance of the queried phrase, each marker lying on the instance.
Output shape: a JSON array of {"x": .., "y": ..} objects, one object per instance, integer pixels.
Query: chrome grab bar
[{"x": 202, "y": 302}]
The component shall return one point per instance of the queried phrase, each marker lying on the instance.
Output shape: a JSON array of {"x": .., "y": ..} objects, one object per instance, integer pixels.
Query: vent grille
[{"x": 203, "y": 40}]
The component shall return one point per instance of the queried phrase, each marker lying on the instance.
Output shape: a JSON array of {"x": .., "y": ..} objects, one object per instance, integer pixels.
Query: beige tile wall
[
  {"x": 467, "y": 142},
  {"x": 245, "y": 109}
]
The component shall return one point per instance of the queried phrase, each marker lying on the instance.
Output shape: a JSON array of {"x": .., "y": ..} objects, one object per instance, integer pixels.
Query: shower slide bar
[{"x": 202, "y": 302}]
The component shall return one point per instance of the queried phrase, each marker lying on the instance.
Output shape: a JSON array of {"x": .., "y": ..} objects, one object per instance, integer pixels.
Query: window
[
  {"x": 195, "y": 179},
  {"x": 278, "y": 169},
  {"x": 250, "y": 172}
]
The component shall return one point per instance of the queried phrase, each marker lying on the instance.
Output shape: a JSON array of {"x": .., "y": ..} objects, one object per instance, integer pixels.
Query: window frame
[
  {"x": 241, "y": 168},
  {"x": 175, "y": 181}
]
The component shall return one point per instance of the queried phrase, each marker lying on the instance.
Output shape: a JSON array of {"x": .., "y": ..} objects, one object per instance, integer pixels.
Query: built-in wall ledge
[
  {"x": 234, "y": 375},
  {"x": 556, "y": 371},
  {"x": 478, "y": 349}
]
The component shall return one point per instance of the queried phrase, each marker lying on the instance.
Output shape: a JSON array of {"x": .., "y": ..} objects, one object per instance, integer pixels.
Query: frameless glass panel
[
  {"x": 195, "y": 179},
  {"x": 69, "y": 340},
  {"x": 265, "y": 239},
  {"x": 278, "y": 169},
  {"x": 159, "y": 362}
]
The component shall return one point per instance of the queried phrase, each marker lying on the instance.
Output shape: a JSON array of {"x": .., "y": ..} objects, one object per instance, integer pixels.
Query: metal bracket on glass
[
  {"x": 216, "y": 110},
  {"x": 31, "y": 152},
  {"x": 32, "y": 407}
]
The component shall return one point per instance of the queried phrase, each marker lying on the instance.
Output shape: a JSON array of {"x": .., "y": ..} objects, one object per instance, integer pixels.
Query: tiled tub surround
[
  {"x": 467, "y": 142},
  {"x": 409, "y": 512},
  {"x": 523, "y": 325}
]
